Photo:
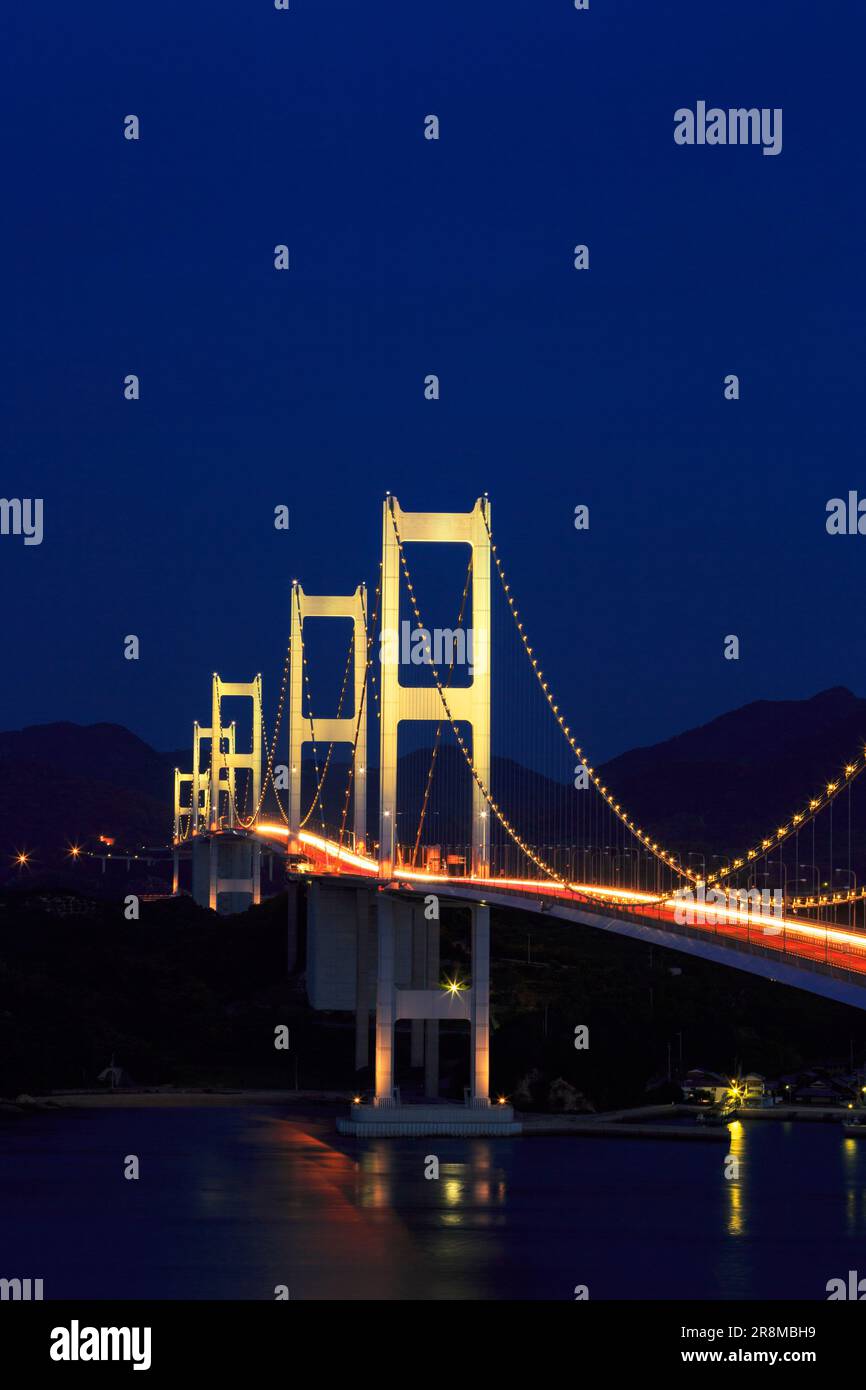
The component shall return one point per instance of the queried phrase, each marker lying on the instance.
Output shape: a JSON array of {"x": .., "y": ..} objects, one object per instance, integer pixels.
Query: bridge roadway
[{"x": 804, "y": 954}]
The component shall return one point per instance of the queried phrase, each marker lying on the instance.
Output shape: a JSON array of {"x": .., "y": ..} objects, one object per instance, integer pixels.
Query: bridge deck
[{"x": 803, "y": 946}]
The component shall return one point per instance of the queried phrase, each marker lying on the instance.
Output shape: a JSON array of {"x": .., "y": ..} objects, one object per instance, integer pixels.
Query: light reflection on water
[
  {"x": 737, "y": 1179},
  {"x": 232, "y": 1202}
]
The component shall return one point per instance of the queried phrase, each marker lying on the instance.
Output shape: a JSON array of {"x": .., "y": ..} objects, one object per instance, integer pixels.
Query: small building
[
  {"x": 702, "y": 1087},
  {"x": 822, "y": 1090},
  {"x": 755, "y": 1094}
]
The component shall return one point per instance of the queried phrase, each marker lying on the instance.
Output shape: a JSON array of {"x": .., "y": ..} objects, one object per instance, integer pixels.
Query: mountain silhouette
[
  {"x": 719, "y": 786},
  {"x": 712, "y": 788}
]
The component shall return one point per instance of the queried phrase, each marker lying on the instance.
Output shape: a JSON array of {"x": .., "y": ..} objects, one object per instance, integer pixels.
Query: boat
[
  {"x": 720, "y": 1117},
  {"x": 856, "y": 1126}
]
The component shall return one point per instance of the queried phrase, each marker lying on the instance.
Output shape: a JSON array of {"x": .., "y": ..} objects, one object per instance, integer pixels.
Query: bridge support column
[
  {"x": 226, "y": 872},
  {"x": 213, "y": 874},
  {"x": 293, "y": 896},
  {"x": 419, "y": 981},
  {"x": 431, "y": 1025},
  {"x": 256, "y": 869},
  {"x": 480, "y": 1015},
  {"x": 175, "y": 871},
  {"x": 385, "y": 1002},
  {"x": 362, "y": 977}
]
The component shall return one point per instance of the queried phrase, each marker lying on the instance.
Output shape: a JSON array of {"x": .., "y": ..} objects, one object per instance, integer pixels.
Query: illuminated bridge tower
[
  {"x": 470, "y": 705},
  {"x": 351, "y": 728},
  {"x": 226, "y": 862},
  {"x": 199, "y": 780},
  {"x": 226, "y": 762},
  {"x": 180, "y": 780}
]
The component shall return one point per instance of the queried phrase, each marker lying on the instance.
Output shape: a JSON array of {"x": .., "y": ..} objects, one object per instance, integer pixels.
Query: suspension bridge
[{"x": 484, "y": 798}]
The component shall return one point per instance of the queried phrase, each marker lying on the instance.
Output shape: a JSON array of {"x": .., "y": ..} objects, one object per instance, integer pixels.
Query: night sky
[{"x": 409, "y": 257}]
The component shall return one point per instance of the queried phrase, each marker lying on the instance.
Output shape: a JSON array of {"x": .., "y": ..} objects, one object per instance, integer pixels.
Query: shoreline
[
  {"x": 167, "y": 1099},
  {"x": 649, "y": 1122}
]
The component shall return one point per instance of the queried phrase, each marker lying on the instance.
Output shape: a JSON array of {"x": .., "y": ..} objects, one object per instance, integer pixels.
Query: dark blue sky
[{"x": 408, "y": 257}]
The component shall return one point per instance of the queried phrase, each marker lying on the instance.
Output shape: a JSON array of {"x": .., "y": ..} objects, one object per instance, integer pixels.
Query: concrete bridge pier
[
  {"x": 385, "y": 1001},
  {"x": 399, "y": 978},
  {"x": 213, "y": 866},
  {"x": 362, "y": 980},
  {"x": 480, "y": 1014},
  {"x": 419, "y": 980},
  {"x": 424, "y": 1050},
  {"x": 256, "y": 870},
  {"x": 387, "y": 1116},
  {"x": 200, "y": 870},
  {"x": 226, "y": 872},
  {"x": 428, "y": 1005},
  {"x": 431, "y": 1025}
]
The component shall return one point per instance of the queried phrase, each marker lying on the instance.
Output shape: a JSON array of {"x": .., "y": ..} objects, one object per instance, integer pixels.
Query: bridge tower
[
  {"x": 226, "y": 762},
  {"x": 469, "y": 704},
  {"x": 199, "y": 783},
  {"x": 352, "y": 728},
  {"x": 225, "y": 860},
  {"x": 180, "y": 781}
]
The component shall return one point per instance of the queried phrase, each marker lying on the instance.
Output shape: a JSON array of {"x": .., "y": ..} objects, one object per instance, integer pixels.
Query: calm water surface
[{"x": 233, "y": 1201}]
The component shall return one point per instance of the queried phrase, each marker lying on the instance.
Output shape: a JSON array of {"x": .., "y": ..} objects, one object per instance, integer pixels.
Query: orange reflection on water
[{"x": 358, "y": 1245}]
